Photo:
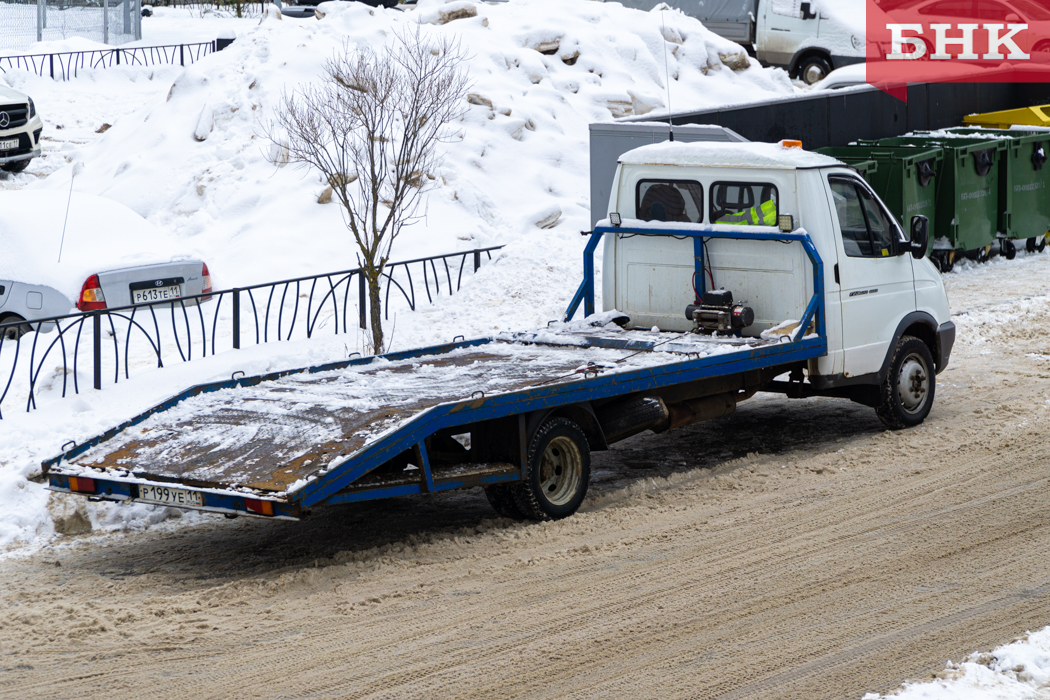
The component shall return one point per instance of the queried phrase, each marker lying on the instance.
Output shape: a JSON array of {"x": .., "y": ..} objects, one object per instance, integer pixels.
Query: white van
[{"x": 809, "y": 38}]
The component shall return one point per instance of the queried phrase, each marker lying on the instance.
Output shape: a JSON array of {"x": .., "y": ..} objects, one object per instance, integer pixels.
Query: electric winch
[{"x": 717, "y": 313}]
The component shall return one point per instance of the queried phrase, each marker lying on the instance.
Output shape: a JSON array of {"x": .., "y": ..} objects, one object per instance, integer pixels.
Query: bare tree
[{"x": 371, "y": 127}]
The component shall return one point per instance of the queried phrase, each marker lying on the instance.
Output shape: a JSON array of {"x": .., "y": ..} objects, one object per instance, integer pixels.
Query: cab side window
[
  {"x": 670, "y": 200},
  {"x": 744, "y": 203},
  {"x": 867, "y": 231}
]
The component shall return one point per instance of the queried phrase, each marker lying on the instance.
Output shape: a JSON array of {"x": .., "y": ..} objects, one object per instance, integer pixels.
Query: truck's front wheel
[
  {"x": 908, "y": 389},
  {"x": 559, "y": 468}
]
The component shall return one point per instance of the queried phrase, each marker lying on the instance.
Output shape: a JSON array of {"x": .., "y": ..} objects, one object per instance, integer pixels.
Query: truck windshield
[{"x": 670, "y": 200}]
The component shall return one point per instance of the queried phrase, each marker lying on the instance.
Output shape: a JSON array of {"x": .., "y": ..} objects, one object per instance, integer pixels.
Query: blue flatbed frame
[{"x": 329, "y": 488}]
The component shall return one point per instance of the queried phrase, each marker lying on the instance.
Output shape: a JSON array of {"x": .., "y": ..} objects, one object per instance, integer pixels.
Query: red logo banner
[{"x": 964, "y": 41}]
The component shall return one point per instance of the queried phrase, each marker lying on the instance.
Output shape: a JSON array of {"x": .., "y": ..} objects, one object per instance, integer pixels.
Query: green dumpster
[
  {"x": 905, "y": 180},
  {"x": 968, "y": 212},
  {"x": 1024, "y": 184}
]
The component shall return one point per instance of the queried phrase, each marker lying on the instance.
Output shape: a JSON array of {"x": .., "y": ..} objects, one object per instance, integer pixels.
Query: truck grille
[{"x": 17, "y": 115}]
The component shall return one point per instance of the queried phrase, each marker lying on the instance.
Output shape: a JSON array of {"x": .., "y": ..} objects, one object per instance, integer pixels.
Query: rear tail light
[
  {"x": 260, "y": 507},
  {"x": 81, "y": 484},
  {"x": 91, "y": 297},
  {"x": 207, "y": 281}
]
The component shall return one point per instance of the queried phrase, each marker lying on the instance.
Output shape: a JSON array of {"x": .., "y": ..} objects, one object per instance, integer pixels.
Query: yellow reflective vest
[{"x": 763, "y": 215}]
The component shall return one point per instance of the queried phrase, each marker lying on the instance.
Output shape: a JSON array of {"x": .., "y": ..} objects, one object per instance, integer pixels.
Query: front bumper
[
  {"x": 945, "y": 341},
  {"x": 35, "y": 153},
  {"x": 28, "y": 136}
]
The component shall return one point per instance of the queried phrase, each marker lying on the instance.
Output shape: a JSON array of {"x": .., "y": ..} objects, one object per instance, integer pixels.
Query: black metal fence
[
  {"x": 77, "y": 351},
  {"x": 67, "y": 64}
]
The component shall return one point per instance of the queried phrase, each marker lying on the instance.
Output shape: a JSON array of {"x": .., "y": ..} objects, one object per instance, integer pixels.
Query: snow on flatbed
[{"x": 272, "y": 436}]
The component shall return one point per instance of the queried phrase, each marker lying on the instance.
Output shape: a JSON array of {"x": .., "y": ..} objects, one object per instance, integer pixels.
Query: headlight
[{"x": 32, "y": 108}]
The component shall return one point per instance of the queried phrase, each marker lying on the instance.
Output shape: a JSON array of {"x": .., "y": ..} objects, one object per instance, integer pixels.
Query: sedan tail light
[
  {"x": 207, "y": 281},
  {"x": 91, "y": 297}
]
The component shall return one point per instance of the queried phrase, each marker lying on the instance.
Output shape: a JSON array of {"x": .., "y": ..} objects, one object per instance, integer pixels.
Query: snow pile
[
  {"x": 1016, "y": 671},
  {"x": 196, "y": 163}
]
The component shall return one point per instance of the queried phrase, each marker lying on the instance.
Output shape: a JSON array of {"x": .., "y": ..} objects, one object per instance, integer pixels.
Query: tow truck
[{"x": 728, "y": 269}]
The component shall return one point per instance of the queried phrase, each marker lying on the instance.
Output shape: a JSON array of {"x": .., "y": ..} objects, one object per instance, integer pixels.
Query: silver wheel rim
[
  {"x": 814, "y": 74},
  {"x": 913, "y": 384},
  {"x": 561, "y": 470}
]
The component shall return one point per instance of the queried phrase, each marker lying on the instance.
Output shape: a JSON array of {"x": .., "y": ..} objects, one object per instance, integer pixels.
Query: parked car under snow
[{"x": 98, "y": 255}]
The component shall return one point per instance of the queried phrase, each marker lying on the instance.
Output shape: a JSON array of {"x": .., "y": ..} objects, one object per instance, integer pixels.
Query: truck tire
[
  {"x": 557, "y": 472},
  {"x": 16, "y": 166},
  {"x": 501, "y": 498},
  {"x": 813, "y": 69},
  {"x": 907, "y": 391}
]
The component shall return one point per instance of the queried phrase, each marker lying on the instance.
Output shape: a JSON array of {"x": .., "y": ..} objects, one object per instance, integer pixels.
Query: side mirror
[
  {"x": 920, "y": 236},
  {"x": 807, "y": 11},
  {"x": 1013, "y": 18}
]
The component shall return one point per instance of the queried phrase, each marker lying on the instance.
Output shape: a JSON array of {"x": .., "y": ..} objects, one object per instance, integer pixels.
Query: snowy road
[{"x": 795, "y": 550}]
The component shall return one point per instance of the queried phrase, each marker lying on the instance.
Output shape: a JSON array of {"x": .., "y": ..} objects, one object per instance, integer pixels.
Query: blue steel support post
[
  {"x": 424, "y": 464},
  {"x": 585, "y": 293},
  {"x": 698, "y": 257}
]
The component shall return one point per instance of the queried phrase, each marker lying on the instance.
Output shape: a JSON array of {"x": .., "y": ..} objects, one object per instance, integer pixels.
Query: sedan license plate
[
  {"x": 8, "y": 145},
  {"x": 170, "y": 497},
  {"x": 145, "y": 296}
]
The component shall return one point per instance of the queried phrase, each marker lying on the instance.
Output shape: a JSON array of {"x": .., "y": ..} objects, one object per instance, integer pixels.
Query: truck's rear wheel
[
  {"x": 558, "y": 470},
  {"x": 908, "y": 390},
  {"x": 813, "y": 69}
]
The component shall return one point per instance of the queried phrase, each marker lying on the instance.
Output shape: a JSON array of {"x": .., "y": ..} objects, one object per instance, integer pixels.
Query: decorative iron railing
[
  {"x": 67, "y": 64},
  {"x": 75, "y": 351}
]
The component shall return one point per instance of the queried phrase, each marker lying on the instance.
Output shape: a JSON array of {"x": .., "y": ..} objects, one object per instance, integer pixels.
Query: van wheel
[
  {"x": 558, "y": 470},
  {"x": 906, "y": 394},
  {"x": 501, "y": 498},
  {"x": 813, "y": 69},
  {"x": 15, "y": 167}
]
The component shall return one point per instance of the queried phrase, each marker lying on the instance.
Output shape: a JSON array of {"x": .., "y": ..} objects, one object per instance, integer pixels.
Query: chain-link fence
[{"x": 23, "y": 22}]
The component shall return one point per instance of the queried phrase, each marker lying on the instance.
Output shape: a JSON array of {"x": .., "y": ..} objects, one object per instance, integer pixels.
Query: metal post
[
  {"x": 362, "y": 294},
  {"x": 52, "y": 61},
  {"x": 105, "y": 21},
  {"x": 181, "y": 61},
  {"x": 39, "y": 20},
  {"x": 96, "y": 342},
  {"x": 477, "y": 260},
  {"x": 236, "y": 319},
  {"x": 127, "y": 17}
]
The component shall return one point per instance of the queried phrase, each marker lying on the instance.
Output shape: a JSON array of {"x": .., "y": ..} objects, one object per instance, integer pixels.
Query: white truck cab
[{"x": 881, "y": 293}]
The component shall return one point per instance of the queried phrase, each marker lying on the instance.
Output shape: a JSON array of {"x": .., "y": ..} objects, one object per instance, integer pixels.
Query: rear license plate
[
  {"x": 170, "y": 497},
  {"x": 145, "y": 296},
  {"x": 8, "y": 145}
]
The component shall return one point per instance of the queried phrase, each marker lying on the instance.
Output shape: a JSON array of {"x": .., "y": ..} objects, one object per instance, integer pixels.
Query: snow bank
[
  {"x": 1017, "y": 671},
  {"x": 193, "y": 163}
]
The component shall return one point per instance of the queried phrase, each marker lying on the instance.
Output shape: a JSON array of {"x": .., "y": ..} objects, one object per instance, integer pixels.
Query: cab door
[
  {"x": 875, "y": 273},
  {"x": 784, "y": 28}
]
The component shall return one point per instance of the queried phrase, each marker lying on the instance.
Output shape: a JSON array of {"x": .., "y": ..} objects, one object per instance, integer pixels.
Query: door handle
[{"x": 837, "y": 274}]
